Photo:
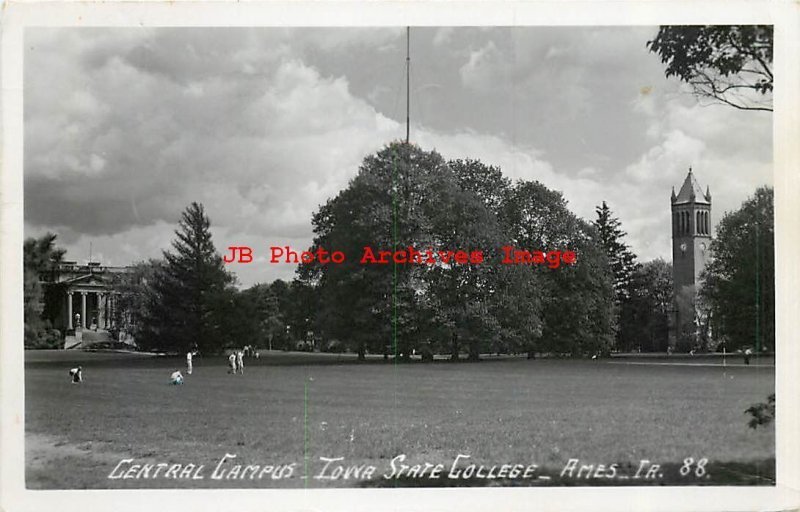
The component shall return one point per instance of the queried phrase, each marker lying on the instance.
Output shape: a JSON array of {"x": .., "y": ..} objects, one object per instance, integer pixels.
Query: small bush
[{"x": 763, "y": 413}]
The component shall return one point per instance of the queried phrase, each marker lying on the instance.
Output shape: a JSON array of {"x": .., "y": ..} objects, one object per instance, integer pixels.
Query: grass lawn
[{"x": 286, "y": 411}]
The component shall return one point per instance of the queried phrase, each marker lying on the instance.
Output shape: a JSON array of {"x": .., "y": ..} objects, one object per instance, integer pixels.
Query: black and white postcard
[{"x": 383, "y": 256}]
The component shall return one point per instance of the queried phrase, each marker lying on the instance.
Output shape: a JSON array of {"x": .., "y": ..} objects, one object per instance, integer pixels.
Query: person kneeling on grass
[
  {"x": 176, "y": 378},
  {"x": 76, "y": 374}
]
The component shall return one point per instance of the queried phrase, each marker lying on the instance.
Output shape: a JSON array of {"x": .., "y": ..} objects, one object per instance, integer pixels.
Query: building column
[
  {"x": 83, "y": 309},
  {"x": 100, "y": 311},
  {"x": 112, "y": 305},
  {"x": 69, "y": 310},
  {"x": 106, "y": 311}
]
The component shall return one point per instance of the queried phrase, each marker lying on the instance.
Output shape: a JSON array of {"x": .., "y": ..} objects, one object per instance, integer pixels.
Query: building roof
[{"x": 691, "y": 191}]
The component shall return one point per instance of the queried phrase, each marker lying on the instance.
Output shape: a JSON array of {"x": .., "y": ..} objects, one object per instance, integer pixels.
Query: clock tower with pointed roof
[{"x": 691, "y": 238}]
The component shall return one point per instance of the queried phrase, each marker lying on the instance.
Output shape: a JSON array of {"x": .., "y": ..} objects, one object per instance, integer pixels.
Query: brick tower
[{"x": 691, "y": 238}]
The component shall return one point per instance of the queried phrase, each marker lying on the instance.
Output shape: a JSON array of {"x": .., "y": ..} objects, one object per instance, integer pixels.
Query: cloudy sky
[{"x": 125, "y": 127}]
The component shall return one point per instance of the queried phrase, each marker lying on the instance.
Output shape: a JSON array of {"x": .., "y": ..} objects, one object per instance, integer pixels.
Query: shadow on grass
[{"x": 760, "y": 473}]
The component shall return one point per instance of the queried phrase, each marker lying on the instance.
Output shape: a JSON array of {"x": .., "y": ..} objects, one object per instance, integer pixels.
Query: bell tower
[{"x": 691, "y": 238}]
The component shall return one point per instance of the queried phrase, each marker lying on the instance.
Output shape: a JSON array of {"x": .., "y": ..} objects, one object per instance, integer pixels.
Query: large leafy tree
[
  {"x": 739, "y": 283},
  {"x": 405, "y": 197},
  {"x": 485, "y": 181},
  {"x": 465, "y": 297},
  {"x": 40, "y": 259},
  {"x": 644, "y": 319},
  {"x": 387, "y": 206},
  {"x": 197, "y": 305},
  {"x": 578, "y": 315},
  {"x": 728, "y": 64},
  {"x": 573, "y": 304},
  {"x": 137, "y": 301}
]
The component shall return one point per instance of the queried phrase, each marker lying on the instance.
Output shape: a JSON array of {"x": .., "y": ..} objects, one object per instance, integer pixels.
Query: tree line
[{"x": 404, "y": 196}]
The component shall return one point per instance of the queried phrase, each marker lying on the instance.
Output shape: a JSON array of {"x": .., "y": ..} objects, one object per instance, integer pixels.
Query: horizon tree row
[{"x": 403, "y": 196}]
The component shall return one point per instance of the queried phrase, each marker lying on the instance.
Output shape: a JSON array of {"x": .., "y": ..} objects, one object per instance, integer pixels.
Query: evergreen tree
[
  {"x": 194, "y": 290},
  {"x": 620, "y": 258}
]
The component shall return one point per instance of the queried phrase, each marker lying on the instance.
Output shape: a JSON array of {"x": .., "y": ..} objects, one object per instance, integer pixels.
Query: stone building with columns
[{"x": 80, "y": 297}]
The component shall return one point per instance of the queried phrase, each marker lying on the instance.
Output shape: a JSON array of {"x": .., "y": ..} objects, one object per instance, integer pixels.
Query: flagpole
[{"x": 408, "y": 83}]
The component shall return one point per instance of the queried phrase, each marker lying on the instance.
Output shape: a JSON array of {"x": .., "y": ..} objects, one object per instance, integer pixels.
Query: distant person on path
[
  {"x": 76, "y": 375},
  {"x": 232, "y": 363},
  {"x": 189, "y": 363},
  {"x": 240, "y": 361},
  {"x": 747, "y": 353},
  {"x": 176, "y": 378}
]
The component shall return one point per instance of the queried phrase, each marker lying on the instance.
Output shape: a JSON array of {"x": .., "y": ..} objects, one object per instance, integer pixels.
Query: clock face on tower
[{"x": 683, "y": 247}]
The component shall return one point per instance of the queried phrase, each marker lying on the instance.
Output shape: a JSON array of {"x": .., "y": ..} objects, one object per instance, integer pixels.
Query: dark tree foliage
[
  {"x": 739, "y": 282},
  {"x": 197, "y": 307},
  {"x": 464, "y": 297},
  {"x": 269, "y": 314},
  {"x": 620, "y": 258},
  {"x": 644, "y": 318},
  {"x": 40, "y": 259},
  {"x": 403, "y": 196},
  {"x": 575, "y": 302},
  {"x": 731, "y": 64},
  {"x": 485, "y": 181},
  {"x": 356, "y": 299},
  {"x": 622, "y": 264},
  {"x": 137, "y": 301},
  {"x": 578, "y": 314},
  {"x": 300, "y": 306}
]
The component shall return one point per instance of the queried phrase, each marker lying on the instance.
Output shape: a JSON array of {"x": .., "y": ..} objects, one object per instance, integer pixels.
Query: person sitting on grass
[
  {"x": 176, "y": 378},
  {"x": 76, "y": 375}
]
